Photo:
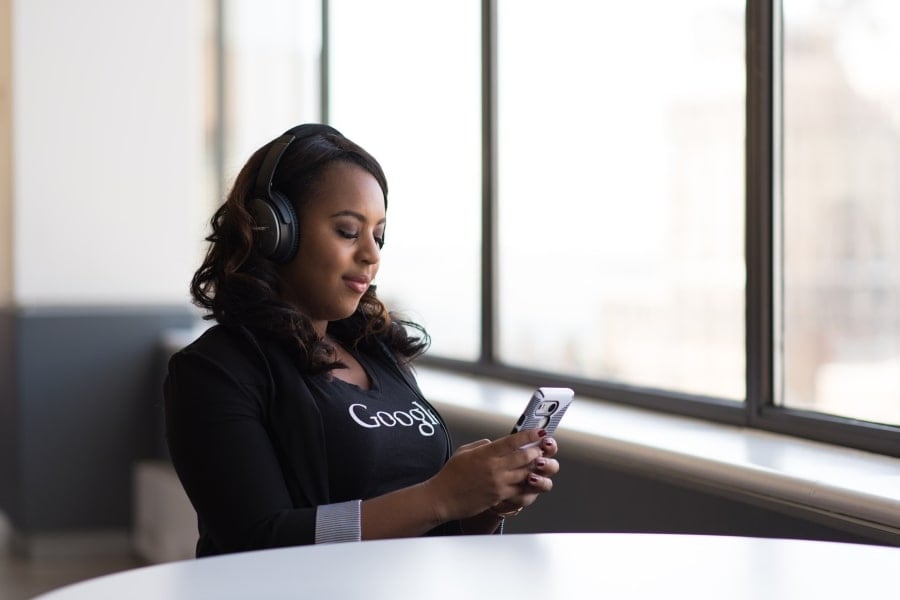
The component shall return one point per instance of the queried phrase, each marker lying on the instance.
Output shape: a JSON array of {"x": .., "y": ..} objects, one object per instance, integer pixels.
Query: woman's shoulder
[
  {"x": 235, "y": 350},
  {"x": 219, "y": 340}
]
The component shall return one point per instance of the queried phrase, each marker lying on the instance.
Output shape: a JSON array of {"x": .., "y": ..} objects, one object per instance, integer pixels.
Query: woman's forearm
[{"x": 406, "y": 512}]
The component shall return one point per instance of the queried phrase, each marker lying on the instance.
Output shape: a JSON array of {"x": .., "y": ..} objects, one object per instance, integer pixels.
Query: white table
[{"x": 547, "y": 566}]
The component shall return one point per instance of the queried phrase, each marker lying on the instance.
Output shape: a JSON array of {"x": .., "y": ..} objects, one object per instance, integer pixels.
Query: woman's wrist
[
  {"x": 505, "y": 510},
  {"x": 432, "y": 498}
]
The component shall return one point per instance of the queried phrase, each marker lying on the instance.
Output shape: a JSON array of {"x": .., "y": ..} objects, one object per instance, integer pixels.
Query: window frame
[
  {"x": 762, "y": 252},
  {"x": 762, "y": 197}
]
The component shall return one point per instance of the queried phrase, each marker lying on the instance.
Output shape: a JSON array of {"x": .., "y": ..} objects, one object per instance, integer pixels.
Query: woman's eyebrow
[{"x": 358, "y": 216}]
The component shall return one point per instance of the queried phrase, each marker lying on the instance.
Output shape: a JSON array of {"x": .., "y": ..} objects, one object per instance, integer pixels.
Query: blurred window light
[
  {"x": 406, "y": 85},
  {"x": 621, "y": 184},
  {"x": 271, "y": 52},
  {"x": 841, "y": 208}
]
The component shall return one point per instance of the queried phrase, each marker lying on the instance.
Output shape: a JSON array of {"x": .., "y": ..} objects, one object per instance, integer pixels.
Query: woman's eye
[{"x": 353, "y": 235}]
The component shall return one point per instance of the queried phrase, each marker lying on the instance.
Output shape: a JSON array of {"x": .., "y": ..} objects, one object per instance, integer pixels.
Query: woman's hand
[
  {"x": 539, "y": 481},
  {"x": 485, "y": 474}
]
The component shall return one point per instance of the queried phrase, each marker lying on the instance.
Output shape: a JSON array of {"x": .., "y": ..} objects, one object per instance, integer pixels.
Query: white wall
[{"x": 107, "y": 150}]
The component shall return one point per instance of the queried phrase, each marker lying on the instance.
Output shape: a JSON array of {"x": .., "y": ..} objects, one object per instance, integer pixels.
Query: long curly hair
[{"x": 241, "y": 287}]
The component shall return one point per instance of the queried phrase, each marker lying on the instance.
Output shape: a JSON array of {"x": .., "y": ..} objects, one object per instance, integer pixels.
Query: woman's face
[{"x": 341, "y": 230}]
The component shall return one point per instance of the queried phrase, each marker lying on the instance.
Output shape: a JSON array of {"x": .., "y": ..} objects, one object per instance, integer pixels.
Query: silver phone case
[{"x": 530, "y": 417}]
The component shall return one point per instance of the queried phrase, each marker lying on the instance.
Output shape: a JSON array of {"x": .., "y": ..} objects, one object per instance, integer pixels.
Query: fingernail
[
  {"x": 547, "y": 442},
  {"x": 542, "y": 432},
  {"x": 541, "y": 462},
  {"x": 533, "y": 478}
]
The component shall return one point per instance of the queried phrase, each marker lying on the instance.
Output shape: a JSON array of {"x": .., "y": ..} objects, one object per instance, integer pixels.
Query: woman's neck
[{"x": 321, "y": 329}]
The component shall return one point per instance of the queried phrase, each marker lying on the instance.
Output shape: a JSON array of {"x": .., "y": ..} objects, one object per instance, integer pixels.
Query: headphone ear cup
[
  {"x": 276, "y": 231},
  {"x": 290, "y": 229}
]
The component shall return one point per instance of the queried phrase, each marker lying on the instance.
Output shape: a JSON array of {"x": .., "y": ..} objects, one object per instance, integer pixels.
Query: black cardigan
[{"x": 232, "y": 385}]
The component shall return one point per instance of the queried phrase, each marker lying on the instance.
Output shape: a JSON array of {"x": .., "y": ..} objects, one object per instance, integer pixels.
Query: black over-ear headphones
[{"x": 276, "y": 226}]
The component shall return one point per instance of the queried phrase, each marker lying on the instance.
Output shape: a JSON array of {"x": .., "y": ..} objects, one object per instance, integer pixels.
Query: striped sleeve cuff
[{"x": 338, "y": 522}]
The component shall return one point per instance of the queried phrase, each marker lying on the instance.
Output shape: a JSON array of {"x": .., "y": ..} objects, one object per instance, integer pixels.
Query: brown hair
[{"x": 240, "y": 287}]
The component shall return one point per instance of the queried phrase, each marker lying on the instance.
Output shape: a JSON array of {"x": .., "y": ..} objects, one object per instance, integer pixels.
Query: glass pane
[
  {"x": 405, "y": 84},
  {"x": 841, "y": 213},
  {"x": 272, "y": 53},
  {"x": 621, "y": 177},
  {"x": 210, "y": 190}
]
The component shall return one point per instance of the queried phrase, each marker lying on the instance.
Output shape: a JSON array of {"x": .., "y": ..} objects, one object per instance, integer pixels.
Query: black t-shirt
[
  {"x": 258, "y": 445},
  {"x": 377, "y": 440}
]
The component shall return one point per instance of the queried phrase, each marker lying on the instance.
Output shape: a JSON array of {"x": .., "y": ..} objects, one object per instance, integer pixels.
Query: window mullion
[
  {"x": 324, "y": 64},
  {"x": 488, "y": 179},
  {"x": 759, "y": 207}
]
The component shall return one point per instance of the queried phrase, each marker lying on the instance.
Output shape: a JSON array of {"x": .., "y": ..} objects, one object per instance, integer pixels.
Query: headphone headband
[{"x": 263, "y": 187}]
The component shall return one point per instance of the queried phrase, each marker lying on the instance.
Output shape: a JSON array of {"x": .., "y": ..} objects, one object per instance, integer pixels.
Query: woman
[{"x": 296, "y": 419}]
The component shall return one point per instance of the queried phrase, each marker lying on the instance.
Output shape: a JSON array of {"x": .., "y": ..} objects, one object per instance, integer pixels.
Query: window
[{"x": 687, "y": 206}]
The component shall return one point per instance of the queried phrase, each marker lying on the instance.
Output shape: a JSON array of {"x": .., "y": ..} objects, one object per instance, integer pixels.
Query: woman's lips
[{"x": 357, "y": 284}]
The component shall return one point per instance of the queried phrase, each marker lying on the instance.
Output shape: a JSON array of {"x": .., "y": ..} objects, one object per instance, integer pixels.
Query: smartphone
[{"x": 545, "y": 410}]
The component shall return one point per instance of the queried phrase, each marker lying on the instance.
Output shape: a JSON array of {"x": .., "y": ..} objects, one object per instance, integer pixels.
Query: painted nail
[
  {"x": 548, "y": 442},
  {"x": 541, "y": 462},
  {"x": 533, "y": 478},
  {"x": 542, "y": 432}
]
